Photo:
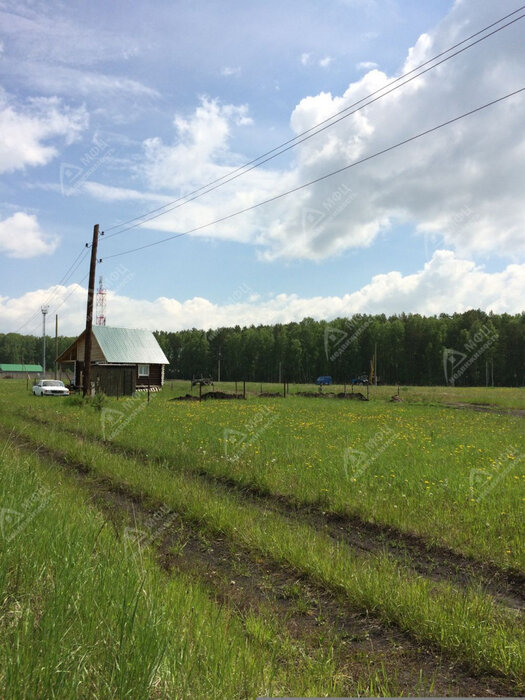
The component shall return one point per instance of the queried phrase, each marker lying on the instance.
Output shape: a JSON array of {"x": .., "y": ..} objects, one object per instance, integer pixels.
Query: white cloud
[
  {"x": 57, "y": 55},
  {"x": 229, "y": 70},
  {"x": 29, "y": 133},
  {"x": 325, "y": 62},
  {"x": 201, "y": 149},
  {"x": 446, "y": 284},
  {"x": 462, "y": 184},
  {"x": 110, "y": 193},
  {"x": 21, "y": 237},
  {"x": 366, "y": 65},
  {"x": 37, "y": 32},
  {"x": 86, "y": 84}
]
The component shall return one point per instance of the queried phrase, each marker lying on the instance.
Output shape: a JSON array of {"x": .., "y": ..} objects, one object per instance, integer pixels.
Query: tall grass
[
  {"x": 86, "y": 615},
  {"x": 456, "y": 478},
  {"x": 467, "y": 624}
]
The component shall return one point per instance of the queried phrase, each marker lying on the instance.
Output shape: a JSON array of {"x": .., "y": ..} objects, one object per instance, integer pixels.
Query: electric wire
[
  {"x": 322, "y": 177},
  {"x": 295, "y": 141},
  {"x": 67, "y": 275}
]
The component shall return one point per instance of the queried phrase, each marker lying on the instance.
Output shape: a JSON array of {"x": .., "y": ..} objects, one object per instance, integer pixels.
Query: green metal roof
[
  {"x": 20, "y": 368},
  {"x": 129, "y": 345}
]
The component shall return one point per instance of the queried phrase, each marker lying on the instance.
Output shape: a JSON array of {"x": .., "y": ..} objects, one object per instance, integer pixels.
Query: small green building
[{"x": 8, "y": 370}]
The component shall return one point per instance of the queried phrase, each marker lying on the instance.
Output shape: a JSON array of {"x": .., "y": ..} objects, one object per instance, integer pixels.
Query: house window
[{"x": 143, "y": 370}]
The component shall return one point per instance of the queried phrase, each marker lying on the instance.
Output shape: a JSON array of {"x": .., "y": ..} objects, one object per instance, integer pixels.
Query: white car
[{"x": 50, "y": 387}]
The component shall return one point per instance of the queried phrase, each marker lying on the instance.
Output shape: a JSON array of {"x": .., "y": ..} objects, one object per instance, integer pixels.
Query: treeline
[
  {"x": 466, "y": 349},
  {"x": 20, "y": 349}
]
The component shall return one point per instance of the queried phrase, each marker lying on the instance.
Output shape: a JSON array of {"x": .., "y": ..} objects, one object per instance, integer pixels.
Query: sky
[{"x": 109, "y": 111}]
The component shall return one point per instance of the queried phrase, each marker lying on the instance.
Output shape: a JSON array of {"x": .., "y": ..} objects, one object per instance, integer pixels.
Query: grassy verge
[
  {"x": 502, "y": 397},
  {"x": 466, "y": 624},
  {"x": 456, "y": 478},
  {"x": 85, "y": 615}
]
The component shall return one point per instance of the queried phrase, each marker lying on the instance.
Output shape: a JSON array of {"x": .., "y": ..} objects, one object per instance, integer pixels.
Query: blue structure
[{"x": 323, "y": 381}]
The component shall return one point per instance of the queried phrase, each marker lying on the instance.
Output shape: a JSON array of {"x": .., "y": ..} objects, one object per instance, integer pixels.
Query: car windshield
[{"x": 52, "y": 382}]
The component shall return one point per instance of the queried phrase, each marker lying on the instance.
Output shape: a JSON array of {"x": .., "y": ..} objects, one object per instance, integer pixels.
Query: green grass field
[{"x": 339, "y": 547}]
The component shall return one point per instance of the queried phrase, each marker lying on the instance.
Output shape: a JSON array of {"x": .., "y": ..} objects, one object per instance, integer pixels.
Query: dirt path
[
  {"x": 489, "y": 408},
  {"x": 251, "y": 583},
  {"x": 439, "y": 563}
]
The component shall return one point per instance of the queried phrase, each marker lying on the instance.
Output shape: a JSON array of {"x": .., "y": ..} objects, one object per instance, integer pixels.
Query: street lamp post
[{"x": 44, "y": 310}]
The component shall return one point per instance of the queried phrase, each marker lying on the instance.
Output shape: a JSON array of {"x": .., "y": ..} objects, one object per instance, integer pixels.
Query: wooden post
[
  {"x": 149, "y": 388},
  {"x": 86, "y": 389},
  {"x": 367, "y": 391},
  {"x": 200, "y": 391},
  {"x": 235, "y": 387},
  {"x": 284, "y": 390},
  {"x": 244, "y": 389},
  {"x": 345, "y": 389},
  {"x": 56, "y": 346}
]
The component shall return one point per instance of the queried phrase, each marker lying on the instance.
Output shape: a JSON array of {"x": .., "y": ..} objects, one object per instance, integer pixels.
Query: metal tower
[{"x": 101, "y": 304}]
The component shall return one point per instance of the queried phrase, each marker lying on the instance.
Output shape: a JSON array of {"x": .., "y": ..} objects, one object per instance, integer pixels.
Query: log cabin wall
[{"x": 154, "y": 378}]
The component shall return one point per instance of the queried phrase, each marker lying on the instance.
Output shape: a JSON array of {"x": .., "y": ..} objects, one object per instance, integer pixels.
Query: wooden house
[{"x": 123, "y": 361}]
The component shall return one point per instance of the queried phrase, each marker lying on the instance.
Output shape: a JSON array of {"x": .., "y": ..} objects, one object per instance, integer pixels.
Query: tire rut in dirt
[
  {"x": 436, "y": 562},
  {"x": 250, "y": 582}
]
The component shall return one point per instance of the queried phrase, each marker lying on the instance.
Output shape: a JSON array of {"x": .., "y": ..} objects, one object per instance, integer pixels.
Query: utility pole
[
  {"x": 56, "y": 346},
  {"x": 44, "y": 310},
  {"x": 86, "y": 388}
]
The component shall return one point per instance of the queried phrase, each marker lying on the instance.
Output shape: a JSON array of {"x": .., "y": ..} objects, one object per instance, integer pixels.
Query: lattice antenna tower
[{"x": 101, "y": 304}]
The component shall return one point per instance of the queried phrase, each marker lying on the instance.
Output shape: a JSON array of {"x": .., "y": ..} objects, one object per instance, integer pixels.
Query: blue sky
[{"x": 109, "y": 110}]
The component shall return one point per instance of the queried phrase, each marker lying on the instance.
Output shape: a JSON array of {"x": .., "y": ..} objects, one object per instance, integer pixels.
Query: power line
[
  {"x": 73, "y": 291},
  {"x": 305, "y": 135},
  {"x": 67, "y": 275},
  {"x": 322, "y": 177}
]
